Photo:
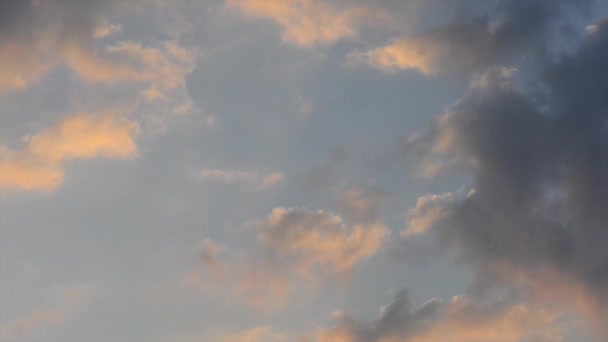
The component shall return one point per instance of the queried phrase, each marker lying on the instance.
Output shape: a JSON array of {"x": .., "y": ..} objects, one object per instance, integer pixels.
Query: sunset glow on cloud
[{"x": 303, "y": 170}]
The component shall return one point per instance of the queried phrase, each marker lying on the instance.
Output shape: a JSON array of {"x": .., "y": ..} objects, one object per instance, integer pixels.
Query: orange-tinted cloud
[
  {"x": 309, "y": 22},
  {"x": 298, "y": 247},
  {"x": 39, "y": 164},
  {"x": 460, "y": 320},
  {"x": 258, "y": 334},
  {"x": 402, "y": 54},
  {"x": 37, "y": 318},
  {"x": 69, "y": 300},
  {"x": 429, "y": 209}
]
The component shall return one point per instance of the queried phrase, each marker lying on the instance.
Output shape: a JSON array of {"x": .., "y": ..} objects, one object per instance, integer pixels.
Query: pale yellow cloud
[
  {"x": 39, "y": 164},
  {"x": 310, "y": 22}
]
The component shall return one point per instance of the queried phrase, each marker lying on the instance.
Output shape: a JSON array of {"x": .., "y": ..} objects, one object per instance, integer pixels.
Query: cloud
[
  {"x": 36, "y": 35},
  {"x": 210, "y": 257},
  {"x": 40, "y": 36},
  {"x": 317, "y": 239},
  {"x": 299, "y": 248},
  {"x": 237, "y": 176},
  {"x": 69, "y": 301},
  {"x": 504, "y": 34},
  {"x": 36, "y": 319},
  {"x": 429, "y": 209},
  {"x": 308, "y": 23},
  {"x": 401, "y": 54},
  {"x": 39, "y": 164},
  {"x": 303, "y": 246},
  {"x": 258, "y": 334},
  {"x": 361, "y": 204},
  {"x": 460, "y": 320},
  {"x": 538, "y": 166},
  {"x": 272, "y": 179}
]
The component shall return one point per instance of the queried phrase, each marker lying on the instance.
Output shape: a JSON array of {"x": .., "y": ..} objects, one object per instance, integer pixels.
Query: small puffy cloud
[
  {"x": 209, "y": 253},
  {"x": 318, "y": 239},
  {"x": 429, "y": 210},
  {"x": 308, "y": 23},
  {"x": 37, "y": 37},
  {"x": 401, "y": 54},
  {"x": 105, "y": 29},
  {"x": 361, "y": 204},
  {"x": 39, "y": 164}
]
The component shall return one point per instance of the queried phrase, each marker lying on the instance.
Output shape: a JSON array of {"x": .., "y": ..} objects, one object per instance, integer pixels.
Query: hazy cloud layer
[{"x": 478, "y": 128}]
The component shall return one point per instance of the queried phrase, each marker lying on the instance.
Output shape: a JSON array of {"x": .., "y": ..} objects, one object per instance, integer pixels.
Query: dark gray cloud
[
  {"x": 474, "y": 37},
  {"x": 540, "y": 171}
]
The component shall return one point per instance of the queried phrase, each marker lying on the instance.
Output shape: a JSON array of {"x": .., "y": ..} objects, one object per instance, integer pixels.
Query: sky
[{"x": 303, "y": 170}]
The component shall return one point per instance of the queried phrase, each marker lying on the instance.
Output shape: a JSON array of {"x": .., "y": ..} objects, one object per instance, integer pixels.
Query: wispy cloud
[
  {"x": 307, "y": 23},
  {"x": 260, "y": 181}
]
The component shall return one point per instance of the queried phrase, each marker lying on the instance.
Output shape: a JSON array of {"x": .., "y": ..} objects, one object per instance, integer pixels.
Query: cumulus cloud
[
  {"x": 300, "y": 247},
  {"x": 308, "y": 23},
  {"x": 38, "y": 165},
  {"x": 538, "y": 164}
]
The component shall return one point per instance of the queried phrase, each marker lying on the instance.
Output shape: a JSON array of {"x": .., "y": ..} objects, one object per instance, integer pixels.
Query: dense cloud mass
[
  {"x": 539, "y": 164},
  {"x": 501, "y": 117}
]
